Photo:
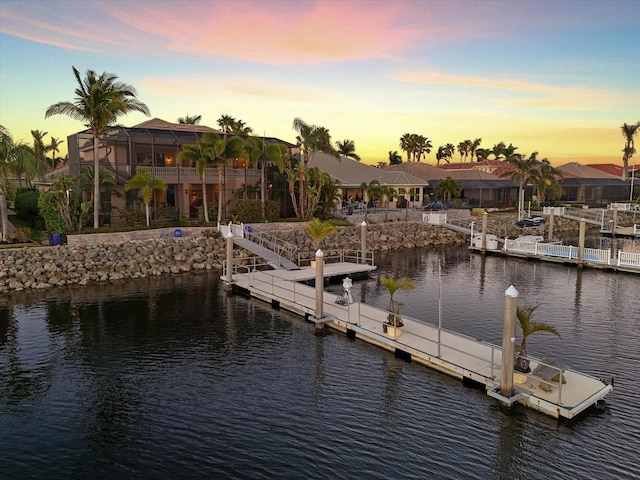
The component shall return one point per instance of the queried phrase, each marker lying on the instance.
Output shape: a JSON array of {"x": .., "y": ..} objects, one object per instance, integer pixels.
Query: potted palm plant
[
  {"x": 319, "y": 231},
  {"x": 528, "y": 328},
  {"x": 394, "y": 320}
]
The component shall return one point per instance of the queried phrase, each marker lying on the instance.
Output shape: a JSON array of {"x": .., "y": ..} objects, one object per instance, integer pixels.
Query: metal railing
[
  {"x": 281, "y": 247},
  {"x": 629, "y": 259},
  {"x": 211, "y": 175},
  {"x": 338, "y": 256}
]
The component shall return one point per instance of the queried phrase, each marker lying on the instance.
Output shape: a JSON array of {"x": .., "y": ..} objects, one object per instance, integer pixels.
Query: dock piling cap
[{"x": 511, "y": 292}]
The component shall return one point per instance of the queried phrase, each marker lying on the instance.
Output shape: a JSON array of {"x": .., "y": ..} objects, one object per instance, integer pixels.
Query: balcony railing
[{"x": 211, "y": 175}]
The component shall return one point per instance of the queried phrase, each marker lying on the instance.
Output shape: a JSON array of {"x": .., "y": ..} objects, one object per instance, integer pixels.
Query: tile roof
[{"x": 351, "y": 173}]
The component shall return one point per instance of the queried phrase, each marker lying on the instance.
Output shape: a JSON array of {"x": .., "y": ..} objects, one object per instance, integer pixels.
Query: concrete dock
[{"x": 555, "y": 391}]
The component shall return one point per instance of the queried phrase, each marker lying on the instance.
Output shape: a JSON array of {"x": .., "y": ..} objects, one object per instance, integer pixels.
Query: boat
[{"x": 536, "y": 239}]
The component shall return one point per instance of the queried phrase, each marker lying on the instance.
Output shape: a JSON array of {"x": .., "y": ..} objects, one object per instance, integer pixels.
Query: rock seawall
[{"x": 84, "y": 264}]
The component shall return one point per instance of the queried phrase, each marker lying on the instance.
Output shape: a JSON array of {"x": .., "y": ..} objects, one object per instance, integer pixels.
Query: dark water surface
[{"x": 171, "y": 378}]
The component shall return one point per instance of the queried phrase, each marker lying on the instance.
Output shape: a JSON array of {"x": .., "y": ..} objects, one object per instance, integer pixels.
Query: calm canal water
[{"x": 172, "y": 378}]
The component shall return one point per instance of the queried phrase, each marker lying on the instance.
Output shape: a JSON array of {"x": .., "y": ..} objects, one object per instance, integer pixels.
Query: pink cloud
[{"x": 276, "y": 32}]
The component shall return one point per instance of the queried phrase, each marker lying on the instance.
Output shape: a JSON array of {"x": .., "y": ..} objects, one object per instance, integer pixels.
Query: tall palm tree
[
  {"x": 422, "y": 146},
  {"x": 144, "y": 182},
  {"x": 523, "y": 170},
  {"x": 463, "y": 149},
  {"x": 473, "y": 146},
  {"x": 407, "y": 144},
  {"x": 200, "y": 154},
  {"x": 347, "y": 148},
  {"x": 231, "y": 148},
  {"x": 441, "y": 154},
  {"x": 311, "y": 139},
  {"x": 528, "y": 328},
  {"x": 629, "y": 131},
  {"x": 226, "y": 123},
  {"x": 546, "y": 179},
  {"x": 99, "y": 101},
  {"x": 394, "y": 157},
  {"x": 190, "y": 120},
  {"x": 54, "y": 148},
  {"x": 240, "y": 128}
]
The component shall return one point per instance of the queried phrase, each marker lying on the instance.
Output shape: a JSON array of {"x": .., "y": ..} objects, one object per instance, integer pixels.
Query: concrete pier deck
[{"x": 463, "y": 357}]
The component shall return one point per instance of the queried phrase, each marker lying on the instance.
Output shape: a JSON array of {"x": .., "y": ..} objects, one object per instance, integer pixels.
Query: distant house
[
  {"x": 351, "y": 174},
  {"x": 155, "y": 145},
  {"x": 590, "y": 186},
  {"x": 479, "y": 189}
]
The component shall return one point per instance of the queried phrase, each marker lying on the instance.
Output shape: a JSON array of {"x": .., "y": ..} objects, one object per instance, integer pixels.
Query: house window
[
  {"x": 414, "y": 194},
  {"x": 145, "y": 159}
]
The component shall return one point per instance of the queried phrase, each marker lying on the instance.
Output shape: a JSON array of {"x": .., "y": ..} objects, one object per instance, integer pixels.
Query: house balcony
[{"x": 211, "y": 175}]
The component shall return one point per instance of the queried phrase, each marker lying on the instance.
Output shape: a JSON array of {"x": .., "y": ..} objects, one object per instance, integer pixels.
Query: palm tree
[
  {"x": 394, "y": 158},
  {"x": 201, "y": 154},
  {"x": 25, "y": 162},
  {"x": 347, "y": 148},
  {"x": 393, "y": 285},
  {"x": 463, "y": 149},
  {"x": 369, "y": 190},
  {"x": 53, "y": 148},
  {"x": 310, "y": 139},
  {"x": 389, "y": 194},
  {"x": 226, "y": 123},
  {"x": 629, "y": 131},
  {"x": 407, "y": 144},
  {"x": 448, "y": 188},
  {"x": 144, "y": 182},
  {"x": 473, "y": 146},
  {"x": 6, "y": 168},
  {"x": 546, "y": 178},
  {"x": 528, "y": 328},
  {"x": 445, "y": 152},
  {"x": 422, "y": 146},
  {"x": 318, "y": 231},
  {"x": 240, "y": 128},
  {"x": 524, "y": 169},
  {"x": 99, "y": 101},
  {"x": 190, "y": 120}
]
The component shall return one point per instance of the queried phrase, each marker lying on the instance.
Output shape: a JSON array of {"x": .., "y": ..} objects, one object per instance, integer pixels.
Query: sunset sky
[{"x": 557, "y": 77}]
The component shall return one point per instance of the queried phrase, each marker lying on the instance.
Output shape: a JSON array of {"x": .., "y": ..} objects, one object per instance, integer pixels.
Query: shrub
[
  {"x": 477, "y": 212},
  {"x": 26, "y": 201},
  {"x": 250, "y": 211}
]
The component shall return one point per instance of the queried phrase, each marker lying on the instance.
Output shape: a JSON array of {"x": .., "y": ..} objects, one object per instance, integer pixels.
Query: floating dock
[{"x": 555, "y": 391}]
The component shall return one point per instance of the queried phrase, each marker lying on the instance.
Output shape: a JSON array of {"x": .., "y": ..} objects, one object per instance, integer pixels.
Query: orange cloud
[{"x": 535, "y": 95}]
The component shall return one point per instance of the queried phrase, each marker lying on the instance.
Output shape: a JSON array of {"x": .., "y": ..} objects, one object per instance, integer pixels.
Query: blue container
[
  {"x": 56, "y": 239},
  {"x": 177, "y": 232}
]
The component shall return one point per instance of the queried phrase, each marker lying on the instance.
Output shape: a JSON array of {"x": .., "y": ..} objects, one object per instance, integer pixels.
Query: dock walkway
[{"x": 458, "y": 355}]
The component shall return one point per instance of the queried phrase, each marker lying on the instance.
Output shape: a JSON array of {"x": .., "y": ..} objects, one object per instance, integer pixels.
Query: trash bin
[
  {"x": 177, "y": 232},
  {"x": 56, "y": 239}
]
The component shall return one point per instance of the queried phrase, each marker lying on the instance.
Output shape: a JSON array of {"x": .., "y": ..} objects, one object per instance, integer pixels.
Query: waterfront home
[
  {"x": 351, "y": 174},
  {"x": 155, "y": 145},
  {"x": 479, "y": 188}
]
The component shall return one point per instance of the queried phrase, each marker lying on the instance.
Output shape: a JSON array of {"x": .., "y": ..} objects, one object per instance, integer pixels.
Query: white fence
[
  {"x": 591, "y": 255},
  {"x": 624, "y": 207},
  {"x": 434, "y": 218},
  {"x": 236, "y": 230},
  {"x": 557, "y": 211}
]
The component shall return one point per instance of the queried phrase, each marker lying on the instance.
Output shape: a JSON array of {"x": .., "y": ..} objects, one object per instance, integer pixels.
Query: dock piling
[
  {"x": 508, "y": 340},
  {"x": 229, "y": 278},
  {"x": 363, "y": 240},
  {"x": 319, "y": 284}
]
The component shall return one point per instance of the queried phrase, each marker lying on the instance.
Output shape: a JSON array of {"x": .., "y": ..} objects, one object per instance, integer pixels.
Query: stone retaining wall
[
  {"x": 113, "y": 258},
  {"x": 101, "y": 257}
]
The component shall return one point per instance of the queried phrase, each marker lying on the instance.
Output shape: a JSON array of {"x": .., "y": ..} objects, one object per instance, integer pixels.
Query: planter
[
  {"x": 393, "y": 332},
  {"x": 56, "y": 239}
]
